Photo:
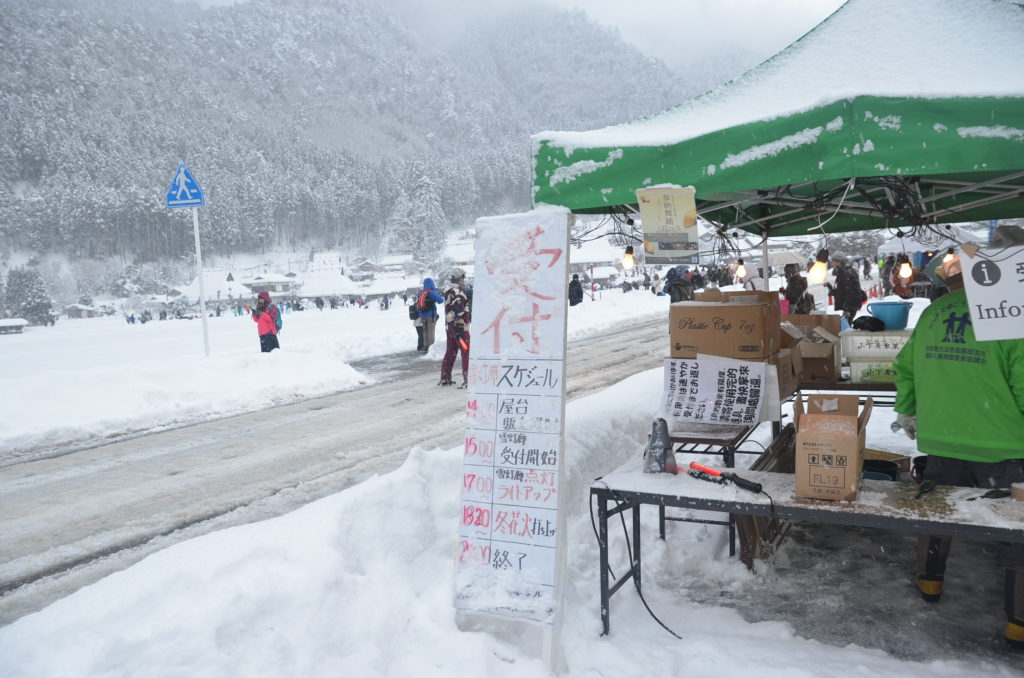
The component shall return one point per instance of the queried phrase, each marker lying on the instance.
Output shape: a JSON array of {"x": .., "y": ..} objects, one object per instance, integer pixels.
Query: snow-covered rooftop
[{"x": 911, "y": 48}]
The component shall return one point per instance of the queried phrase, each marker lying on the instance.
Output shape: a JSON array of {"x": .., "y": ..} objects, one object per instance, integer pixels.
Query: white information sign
[
  {"x": 712, "y": 390},
  {"x": 510, "y": 551},
  {"x": 994, "y": 280}
]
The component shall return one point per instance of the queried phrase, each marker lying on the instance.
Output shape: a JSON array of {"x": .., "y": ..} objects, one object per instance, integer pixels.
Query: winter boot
[
  {"x": 1014, "y": 635},
  {"x": 932, "y": 553},
  {"x": 929, "y": 586},
  {"x": 445, "y": 381}
]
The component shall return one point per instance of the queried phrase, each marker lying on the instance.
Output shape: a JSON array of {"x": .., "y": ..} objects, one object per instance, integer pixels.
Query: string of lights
[{"x": 897, "y": 199}]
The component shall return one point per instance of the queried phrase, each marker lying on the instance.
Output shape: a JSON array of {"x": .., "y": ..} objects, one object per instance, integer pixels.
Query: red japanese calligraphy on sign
[
  {"x": 519, "y": 303},
  {"x": 510, "y": 522}
]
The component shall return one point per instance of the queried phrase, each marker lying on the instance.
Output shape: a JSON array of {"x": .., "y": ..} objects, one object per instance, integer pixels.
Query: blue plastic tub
[{"x": 893, "y": 313}]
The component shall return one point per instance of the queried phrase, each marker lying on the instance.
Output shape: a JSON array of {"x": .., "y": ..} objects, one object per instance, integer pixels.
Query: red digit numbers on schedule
[
  {"x": 484, "y": 449},
  {"x": 471, "y": 553},
  {"x": 475, "y": 409},
  {"x": 474, "y": 516},
  {"x": 481, "y": 484}
]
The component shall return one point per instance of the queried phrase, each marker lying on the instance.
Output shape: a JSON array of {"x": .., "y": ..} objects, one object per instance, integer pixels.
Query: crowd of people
[{"x": 678, "y": 283}]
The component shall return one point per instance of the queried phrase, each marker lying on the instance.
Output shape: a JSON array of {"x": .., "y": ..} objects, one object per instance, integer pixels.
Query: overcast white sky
[
  {"x": 684, "y": 32},
  {"x": 680, "y": 31}
]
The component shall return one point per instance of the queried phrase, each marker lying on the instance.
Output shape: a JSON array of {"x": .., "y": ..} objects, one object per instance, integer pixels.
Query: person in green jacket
[{"x": 963, "y": 401}]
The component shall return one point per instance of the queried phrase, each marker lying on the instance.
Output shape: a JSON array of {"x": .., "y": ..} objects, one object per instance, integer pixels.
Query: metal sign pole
[
  {"x": 199, "y": 274},
  {"x": 186, "y": 192}
]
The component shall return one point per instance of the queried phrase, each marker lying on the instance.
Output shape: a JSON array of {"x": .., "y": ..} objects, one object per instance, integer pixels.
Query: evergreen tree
[
  {"x": 427, "y": 216},
  {"x": 26, "y": 296},
  {"x": 401, "y": 231}
]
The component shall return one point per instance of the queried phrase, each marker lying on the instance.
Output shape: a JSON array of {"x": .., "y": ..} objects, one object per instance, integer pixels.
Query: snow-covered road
[{"x": 71, "y": 518}]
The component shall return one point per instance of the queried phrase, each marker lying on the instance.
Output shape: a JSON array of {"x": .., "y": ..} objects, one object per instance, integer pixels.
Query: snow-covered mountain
[{"x": 323, "y": 122}]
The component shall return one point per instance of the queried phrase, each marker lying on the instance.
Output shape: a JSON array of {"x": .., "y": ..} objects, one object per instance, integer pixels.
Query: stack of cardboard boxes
[
  {"x": 748, "y": 325},
  {"x": 740, "y": 324}
]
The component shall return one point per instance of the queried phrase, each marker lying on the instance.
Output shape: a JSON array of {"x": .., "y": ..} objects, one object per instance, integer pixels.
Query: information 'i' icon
[{"x": 985, "y": 273}]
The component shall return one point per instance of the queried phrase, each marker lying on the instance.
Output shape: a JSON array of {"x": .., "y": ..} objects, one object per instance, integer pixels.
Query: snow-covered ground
[
  {"x": 92, "y": 378},
  {"x": 360, "y": 583}
]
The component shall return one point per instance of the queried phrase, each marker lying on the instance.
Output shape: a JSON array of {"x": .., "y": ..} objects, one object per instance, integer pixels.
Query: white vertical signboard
[{"x": 510, "y": 552}]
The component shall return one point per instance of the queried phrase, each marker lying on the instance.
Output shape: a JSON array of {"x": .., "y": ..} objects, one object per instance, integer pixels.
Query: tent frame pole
[{"x": 764, "y": 257}]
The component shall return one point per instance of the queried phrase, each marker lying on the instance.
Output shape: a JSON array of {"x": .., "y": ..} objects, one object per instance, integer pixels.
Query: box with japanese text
[
  {"x": 725, "y": 329},
  {"x": 830, "y": 446},
  {"x": 872, "y": 371},
  {"x": 862, "y": 344}
]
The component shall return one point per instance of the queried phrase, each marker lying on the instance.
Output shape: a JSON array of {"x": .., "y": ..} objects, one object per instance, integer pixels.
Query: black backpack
[{"x": 414, "y": 312}]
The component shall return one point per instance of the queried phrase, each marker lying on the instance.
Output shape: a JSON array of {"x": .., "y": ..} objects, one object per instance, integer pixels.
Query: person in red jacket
[
  {"x": 265, "y": 316},
  {"x": 457, "y": 318}
]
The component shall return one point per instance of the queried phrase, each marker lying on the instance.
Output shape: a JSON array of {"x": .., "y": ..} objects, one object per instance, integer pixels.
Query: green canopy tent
[{"x": 885, "y": 115}]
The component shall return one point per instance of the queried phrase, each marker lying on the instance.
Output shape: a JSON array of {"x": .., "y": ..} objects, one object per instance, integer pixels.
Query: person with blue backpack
[
  {"x": 427, "y": 301},
  {"x": 268, "y": 322}
]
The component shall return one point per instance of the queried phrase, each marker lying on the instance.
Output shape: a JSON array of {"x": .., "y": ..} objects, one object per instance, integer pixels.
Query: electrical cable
[
  {"x": 771, "y": 509},
  {"x": 629, "y": 551},
  {"x": 636, "y": 584}
]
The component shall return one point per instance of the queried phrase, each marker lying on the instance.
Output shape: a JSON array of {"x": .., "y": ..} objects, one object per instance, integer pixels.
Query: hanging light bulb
[
  {"x": 741, "y": 270},
  {"x": 949, "y": 256},
  {"x": 627, "y": 258},
  {"x": 819, "y": 270},
  {"x": 906, "y": 272}
]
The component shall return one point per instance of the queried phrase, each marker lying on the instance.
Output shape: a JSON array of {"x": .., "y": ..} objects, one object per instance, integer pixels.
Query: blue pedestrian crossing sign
[{"x": 184, "y": 190}]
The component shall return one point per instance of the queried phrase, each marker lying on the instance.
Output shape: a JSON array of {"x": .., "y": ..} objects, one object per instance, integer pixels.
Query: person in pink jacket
[{"x": 267, "y": 319}]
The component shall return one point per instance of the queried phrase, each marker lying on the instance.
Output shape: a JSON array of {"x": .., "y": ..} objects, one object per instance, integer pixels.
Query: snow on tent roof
[
  {"x": 911, "y": 48},
  {"x": 912, "y": 110}
]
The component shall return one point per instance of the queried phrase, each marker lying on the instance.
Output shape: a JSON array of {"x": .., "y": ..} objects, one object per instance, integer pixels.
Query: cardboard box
[
  {"x": 789, "y": 334},
  {"x": 830, "y": 446},
  {"x": 902, "y": 461},
  {"x": 747, "y": 296},
  {"x": 820, "y": 357},
  {"x": 831, "y": 323},
  {"x": 725, "y": 324},
  {"x": 789, "y": 375}
]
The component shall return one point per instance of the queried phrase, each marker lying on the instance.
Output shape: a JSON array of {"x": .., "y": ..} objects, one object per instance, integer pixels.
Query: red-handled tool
[{"x": 715, "y": 475}]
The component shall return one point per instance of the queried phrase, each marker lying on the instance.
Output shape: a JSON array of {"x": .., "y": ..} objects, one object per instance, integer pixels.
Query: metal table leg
[
  {"x": 602, "y": 531},
  {"x": 636, "y": 545}
]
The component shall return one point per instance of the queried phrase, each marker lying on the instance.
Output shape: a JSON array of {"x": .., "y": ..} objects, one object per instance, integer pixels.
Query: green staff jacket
[{"x": 968, "y": 395}]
